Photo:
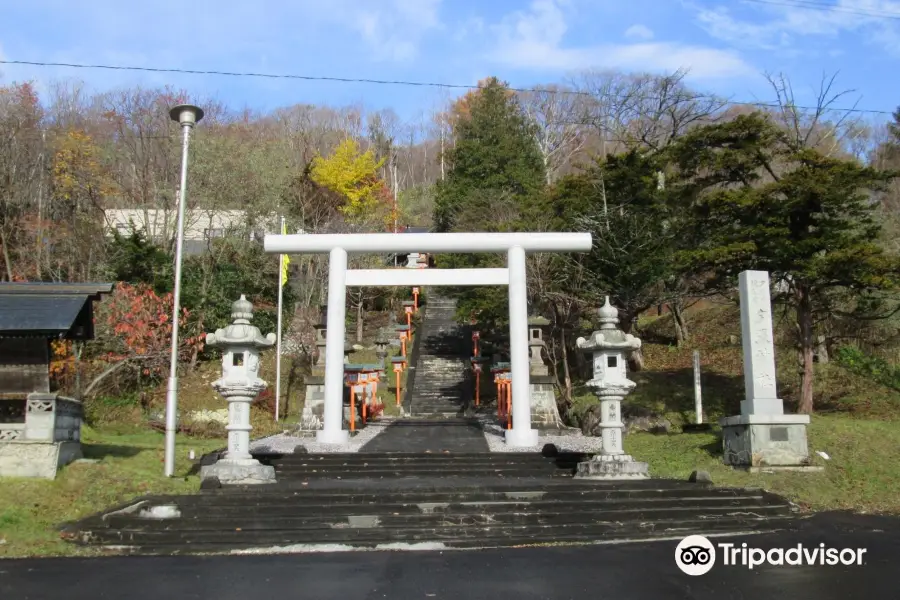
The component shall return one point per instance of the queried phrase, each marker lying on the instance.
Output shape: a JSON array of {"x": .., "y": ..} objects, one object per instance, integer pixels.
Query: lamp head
[{"x": 186, "y": 114}]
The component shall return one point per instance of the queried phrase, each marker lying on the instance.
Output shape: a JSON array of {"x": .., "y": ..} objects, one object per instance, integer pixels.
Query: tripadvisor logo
[{"x": 696, "y": 555}]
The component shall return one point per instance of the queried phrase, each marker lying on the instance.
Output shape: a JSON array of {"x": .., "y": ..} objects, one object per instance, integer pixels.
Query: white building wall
[{"x": 199, "y": 224}]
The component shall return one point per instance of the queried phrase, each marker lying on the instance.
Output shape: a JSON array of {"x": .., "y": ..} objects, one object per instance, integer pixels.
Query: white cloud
[
  {"x": 472, "y": 27},
  {"x": 392, "y": 29},
  {"x": 534, "y": 39},
  {"x": 639, "y": 32},
  {"x": 777, "y": 27}
]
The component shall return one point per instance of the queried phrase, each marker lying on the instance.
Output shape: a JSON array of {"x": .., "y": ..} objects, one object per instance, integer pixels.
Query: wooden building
[{"x": 31, "y": 316}]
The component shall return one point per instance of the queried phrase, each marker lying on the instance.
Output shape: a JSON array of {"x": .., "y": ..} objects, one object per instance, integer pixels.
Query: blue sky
[{"x": 726, "y": 44}]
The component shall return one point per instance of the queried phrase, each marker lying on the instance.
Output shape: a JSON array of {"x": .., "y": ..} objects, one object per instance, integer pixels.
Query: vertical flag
[{"x": 285, "y": 260}]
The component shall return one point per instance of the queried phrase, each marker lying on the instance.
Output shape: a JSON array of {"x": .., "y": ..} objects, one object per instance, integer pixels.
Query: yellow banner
[{"x": 285, "y": 260}]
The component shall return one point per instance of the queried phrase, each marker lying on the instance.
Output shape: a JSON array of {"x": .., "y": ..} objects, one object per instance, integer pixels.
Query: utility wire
[
  {"x": 386, "y": 81},
  {"x": 826, "y": 7}
]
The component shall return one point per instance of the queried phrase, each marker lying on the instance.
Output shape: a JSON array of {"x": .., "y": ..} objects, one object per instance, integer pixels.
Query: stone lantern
[
  {"x": 381, "y": 344},
  {"x": 544, "y": 412},
  {"x": 321, "y": 332},
  {"x": 611, "y": 348},
  {"x": 241, "y": 343},
  {"x": 536, "y": 344}
]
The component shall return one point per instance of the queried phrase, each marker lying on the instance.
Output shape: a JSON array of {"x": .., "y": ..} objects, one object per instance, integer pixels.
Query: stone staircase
[
  {"x": 391, "y": 501},
  {"x": 440, "y": 387}
]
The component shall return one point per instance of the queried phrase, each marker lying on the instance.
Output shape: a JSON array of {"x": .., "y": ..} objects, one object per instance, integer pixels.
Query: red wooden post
[
  {"x": 352, "y": 407},
  {"x": 416, "y": 298},
  {"x": 398, "y": 369},
  {"x": 363, "y": 395},
  {"x": 477, "y": 384},
  {"x": 508, "y": 404}
]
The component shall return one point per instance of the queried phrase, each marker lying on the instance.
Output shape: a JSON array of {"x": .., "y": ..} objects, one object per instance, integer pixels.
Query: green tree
[
  {"x": 495, "y": 175},
  {"x": 635, "y": 233},
  {"x": 134, "y": 259},
  {"x": 763, "y": 203},
  {"x": 213, "y": 280},
  {"x": 495, "y": 155}
]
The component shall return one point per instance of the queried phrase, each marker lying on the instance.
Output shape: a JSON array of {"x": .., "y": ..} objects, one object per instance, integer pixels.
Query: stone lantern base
[
  {"x": 247, "y": 471},
  {"x": 612, "y": 467}
]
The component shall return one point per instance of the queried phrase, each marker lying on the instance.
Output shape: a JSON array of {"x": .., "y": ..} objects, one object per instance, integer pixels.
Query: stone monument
[
  {"x": 240, "y": 384},
  {"x": 611, "y": 348},
  {"x": 762, "y": 435}
]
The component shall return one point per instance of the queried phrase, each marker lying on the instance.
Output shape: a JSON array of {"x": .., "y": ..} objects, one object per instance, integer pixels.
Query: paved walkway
[
  {"x": 444, "y": 435},
  {"x": 643, "y": 571}
]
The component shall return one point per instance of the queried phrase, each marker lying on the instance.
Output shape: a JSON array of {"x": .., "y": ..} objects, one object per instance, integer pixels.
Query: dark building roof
[
  {"x": 57, "y": 310},
  {"x": 412, "y": 229}
]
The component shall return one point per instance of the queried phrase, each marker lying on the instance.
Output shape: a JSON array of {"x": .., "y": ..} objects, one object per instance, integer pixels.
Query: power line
[
  {"x": 264, "y": 75},
  {"x": 389, "y": 81},
  {"x": 826, "y": 7}
]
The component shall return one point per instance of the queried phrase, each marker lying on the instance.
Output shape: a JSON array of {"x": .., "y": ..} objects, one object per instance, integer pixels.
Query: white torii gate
[{"x": 515, "y": 245}]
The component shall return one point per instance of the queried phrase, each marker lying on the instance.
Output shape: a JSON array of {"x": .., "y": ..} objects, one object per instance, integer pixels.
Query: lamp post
[{"x": 187, "y": 116}]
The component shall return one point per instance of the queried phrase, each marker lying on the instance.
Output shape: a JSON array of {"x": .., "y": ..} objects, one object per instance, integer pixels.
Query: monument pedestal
[
  {"x": 765, "y": 440},
  {"x": 613, "y": 467}
]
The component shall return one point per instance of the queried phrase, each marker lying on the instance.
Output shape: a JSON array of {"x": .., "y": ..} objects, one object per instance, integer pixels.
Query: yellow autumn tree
[
  {"x": 352, "y": 174},
  {"x": 79, "y": 177}
]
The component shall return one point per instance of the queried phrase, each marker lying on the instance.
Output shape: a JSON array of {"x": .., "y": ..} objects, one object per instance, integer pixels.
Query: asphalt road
[{"x": 639, "y": 571}]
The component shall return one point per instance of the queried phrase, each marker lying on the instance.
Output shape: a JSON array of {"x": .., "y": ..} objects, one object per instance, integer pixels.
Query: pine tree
[
  {"x": 495, "y": 176},
  {"x": 761, "y": 203},
  {"x": 495, "y": 156}
]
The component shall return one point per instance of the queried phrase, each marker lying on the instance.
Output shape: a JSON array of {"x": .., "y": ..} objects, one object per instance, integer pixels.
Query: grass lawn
[
  {"x": 859, "y": 476},
  {"x": 130, "y": 465}
]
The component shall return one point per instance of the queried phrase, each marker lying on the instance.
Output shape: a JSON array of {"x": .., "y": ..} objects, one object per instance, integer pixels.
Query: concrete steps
[
  {"x": 440, "y": 386},
  {"x": 444, "y": 500}
]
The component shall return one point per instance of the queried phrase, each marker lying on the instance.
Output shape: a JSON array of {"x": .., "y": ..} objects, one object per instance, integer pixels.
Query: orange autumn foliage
[{"x": 135, "y": 323}]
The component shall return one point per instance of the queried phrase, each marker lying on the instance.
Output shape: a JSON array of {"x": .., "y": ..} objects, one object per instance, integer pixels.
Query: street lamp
[{"x": 187, "y": 116}]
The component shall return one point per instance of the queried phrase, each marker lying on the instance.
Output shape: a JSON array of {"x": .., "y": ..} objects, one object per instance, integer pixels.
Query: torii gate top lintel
[{"x": 320, "y": 243}]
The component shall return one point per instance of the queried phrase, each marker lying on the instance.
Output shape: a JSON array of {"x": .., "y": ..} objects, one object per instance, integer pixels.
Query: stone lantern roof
[
  {"x": 609, "y": 337},
  {"x": 241, "y": 332}
]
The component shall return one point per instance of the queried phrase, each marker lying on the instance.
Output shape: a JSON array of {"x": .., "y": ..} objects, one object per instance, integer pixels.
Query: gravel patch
[
  {"x": 284, "y": 443},
  {"x": 494, "y": 434}
]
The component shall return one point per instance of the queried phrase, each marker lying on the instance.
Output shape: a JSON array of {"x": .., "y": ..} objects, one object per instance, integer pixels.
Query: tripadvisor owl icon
[{"x": 695, "y": 555}]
